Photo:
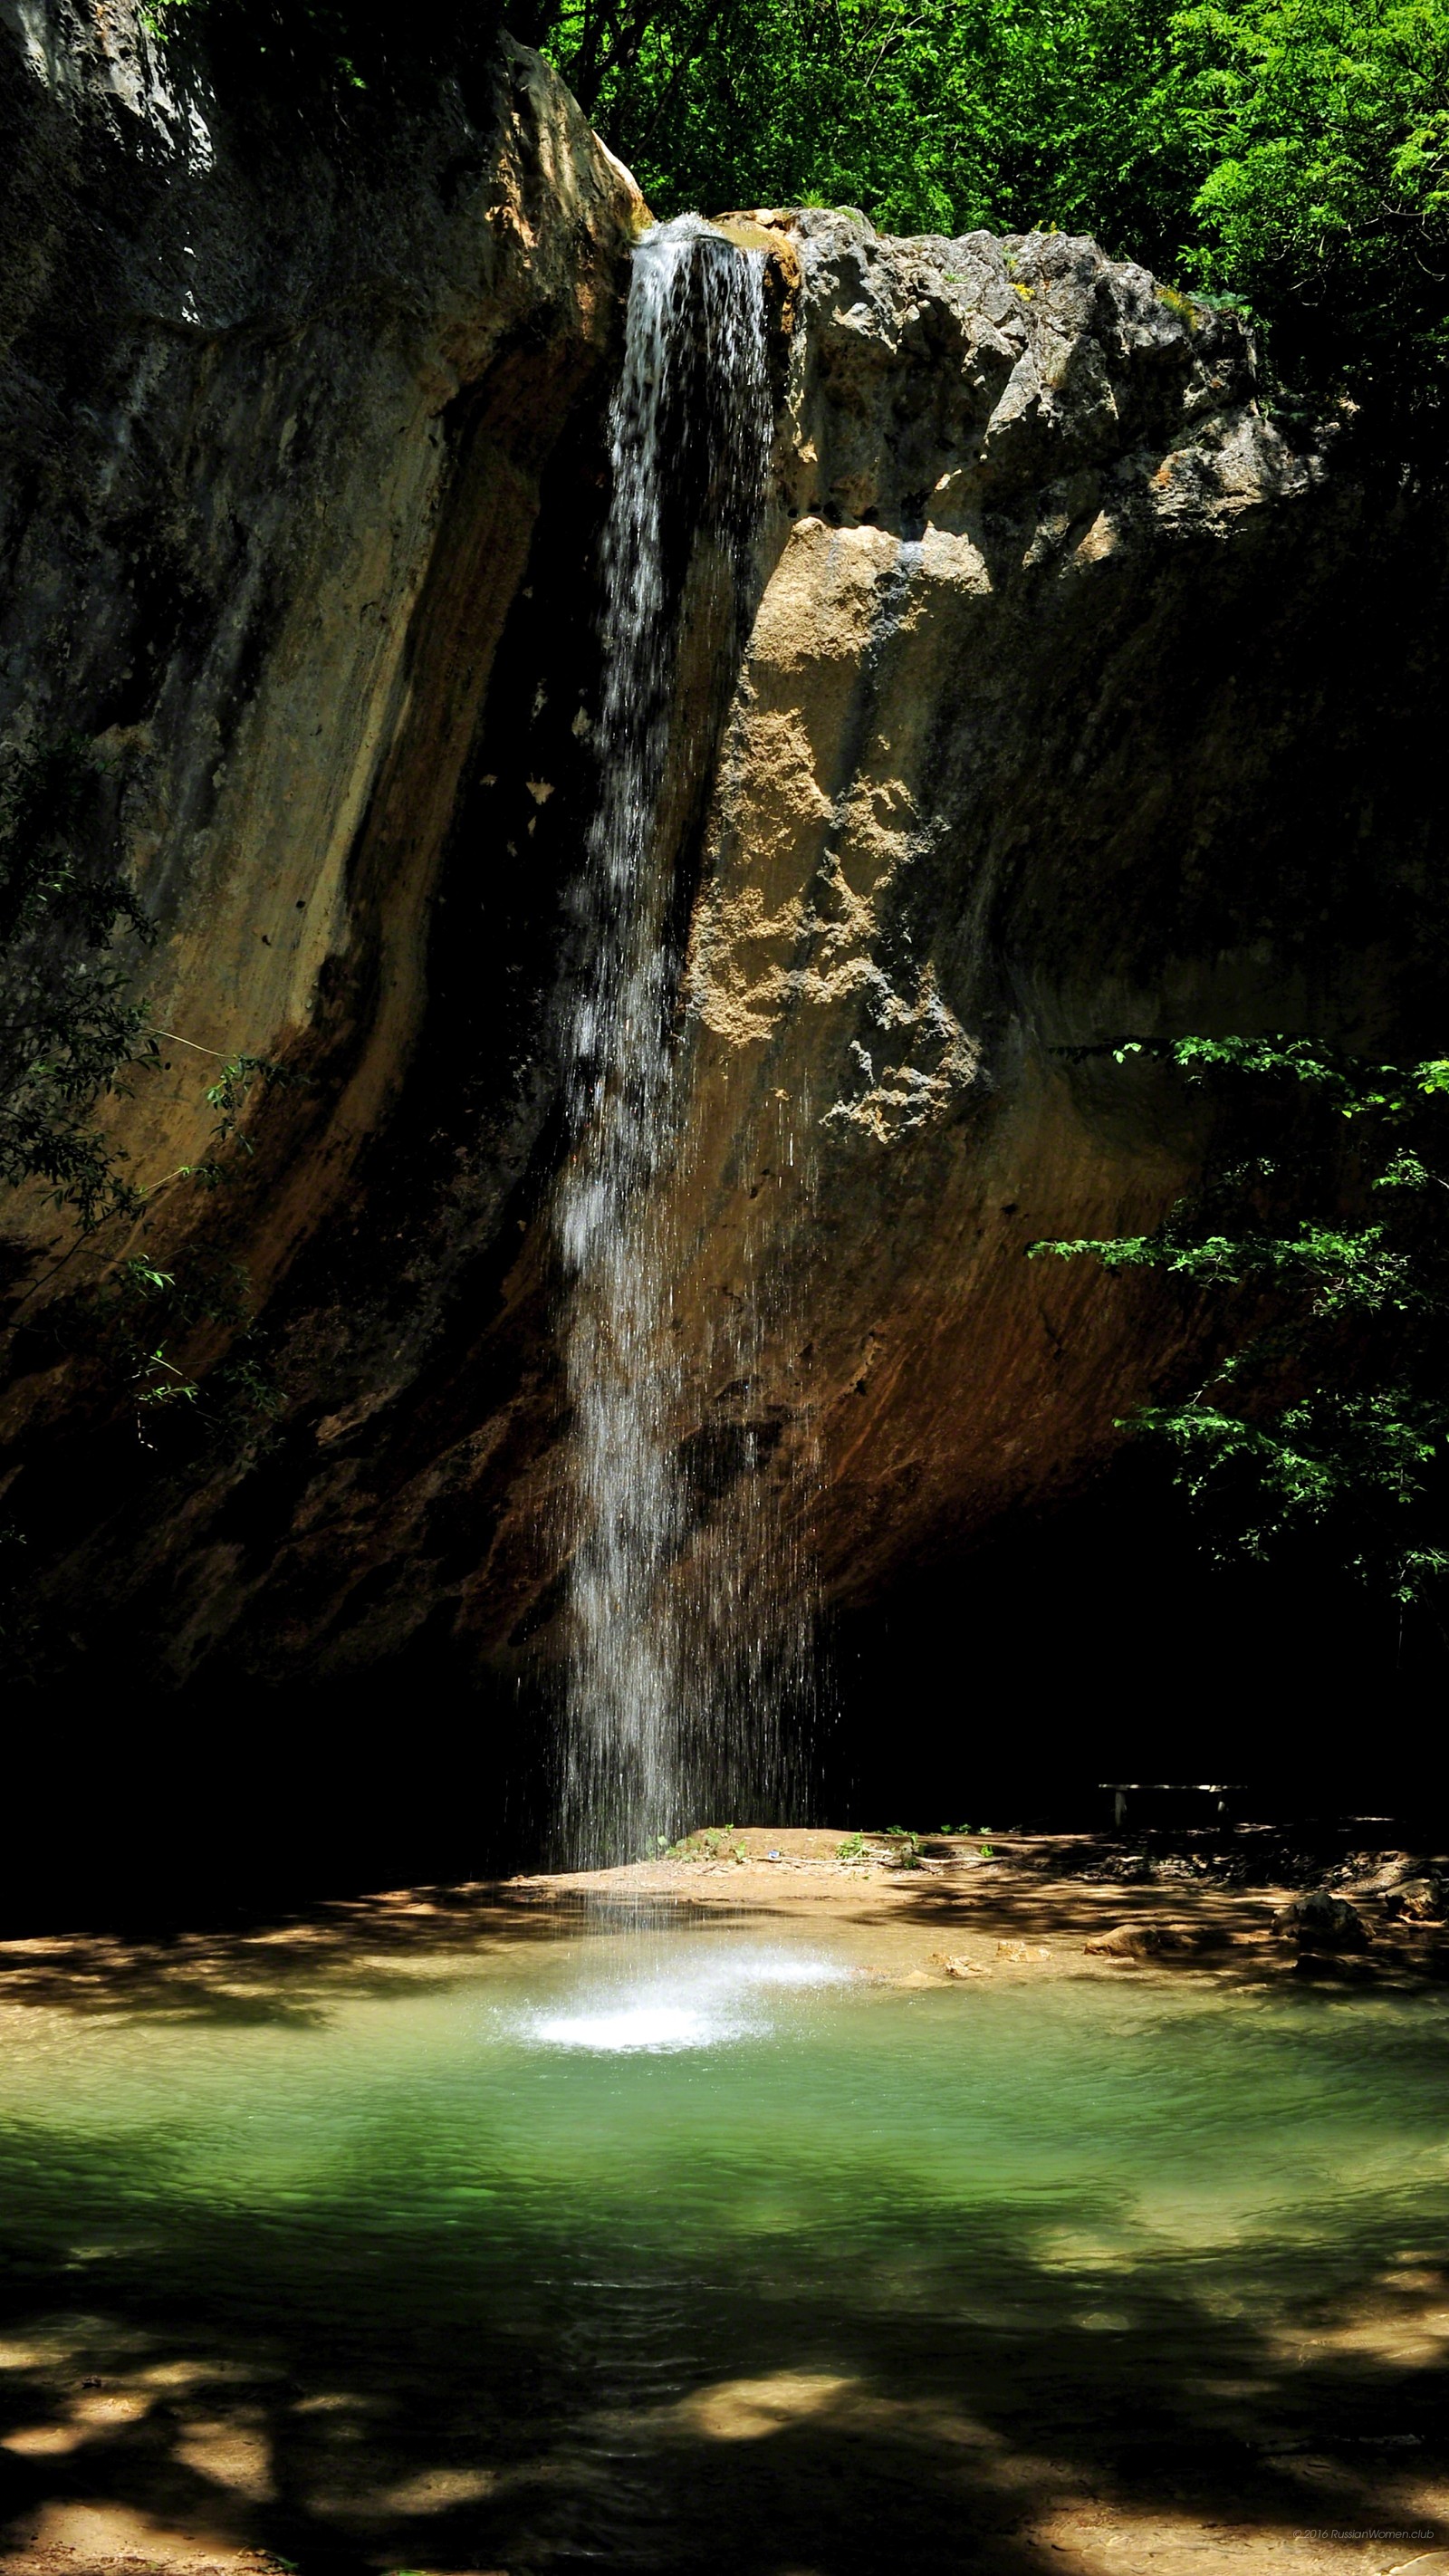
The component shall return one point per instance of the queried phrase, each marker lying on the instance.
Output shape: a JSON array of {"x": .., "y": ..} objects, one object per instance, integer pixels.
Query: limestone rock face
[
  {"x": 280, "y": 389},
  {"x": 1049, "y": 731},
  {"x": 1077, "y": 701}
]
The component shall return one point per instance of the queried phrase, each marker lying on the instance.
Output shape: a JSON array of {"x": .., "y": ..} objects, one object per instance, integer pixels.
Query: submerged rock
[
  {"x": 1330, "y": 1964},
  {"x": 1153, "y": 1941}
]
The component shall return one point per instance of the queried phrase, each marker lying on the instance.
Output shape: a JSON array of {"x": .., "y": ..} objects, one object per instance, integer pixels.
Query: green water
[{"x": 700, "y": 2250}]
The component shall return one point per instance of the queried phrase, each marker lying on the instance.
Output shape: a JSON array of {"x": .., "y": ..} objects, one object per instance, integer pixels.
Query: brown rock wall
[
  {"x": 264, "y": 564},
  {"x": 1076, "y": 700},
  {"x": 1048, "y": 731}
]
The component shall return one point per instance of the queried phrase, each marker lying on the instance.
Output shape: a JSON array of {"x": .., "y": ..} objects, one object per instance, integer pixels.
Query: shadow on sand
[{"x": 957, "y": 2408}]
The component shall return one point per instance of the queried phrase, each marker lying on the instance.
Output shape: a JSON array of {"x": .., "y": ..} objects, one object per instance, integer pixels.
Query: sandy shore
[{"x": 1012, "y": 1905}]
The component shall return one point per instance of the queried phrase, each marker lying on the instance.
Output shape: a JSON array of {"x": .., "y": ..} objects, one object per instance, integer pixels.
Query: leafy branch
[{"x": 1319, "y": 1233}]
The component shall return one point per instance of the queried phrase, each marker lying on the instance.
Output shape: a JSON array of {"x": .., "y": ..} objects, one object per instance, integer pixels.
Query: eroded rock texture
[
  {"x": 1077, "y": 701},
  {"x": 283, "y": 390}
]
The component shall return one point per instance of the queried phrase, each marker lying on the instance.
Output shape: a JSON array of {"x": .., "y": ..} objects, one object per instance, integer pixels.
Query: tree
[
  {"x": 1293, "y": 154},
  {"x": 1320, "y": 129},
  {"x": 1319, "y": 1239}
]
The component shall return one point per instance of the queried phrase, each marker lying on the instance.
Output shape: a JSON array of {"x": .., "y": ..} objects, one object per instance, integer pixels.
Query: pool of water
[{"x": 705, "y": 2249}]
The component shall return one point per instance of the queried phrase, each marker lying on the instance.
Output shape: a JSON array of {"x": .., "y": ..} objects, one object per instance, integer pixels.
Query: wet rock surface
[{"x": 1151, "y": 1941}]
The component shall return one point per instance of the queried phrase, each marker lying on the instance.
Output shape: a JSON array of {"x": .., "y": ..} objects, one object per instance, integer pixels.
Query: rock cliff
[
  {"x": 1079, "y": 702},
  {"x": 1077, "y": 699},
  {"x": 279, "y": 407}
]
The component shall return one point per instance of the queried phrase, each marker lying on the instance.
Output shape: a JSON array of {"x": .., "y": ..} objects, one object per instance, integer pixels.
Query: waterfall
[{"x": 690, "y": 432}]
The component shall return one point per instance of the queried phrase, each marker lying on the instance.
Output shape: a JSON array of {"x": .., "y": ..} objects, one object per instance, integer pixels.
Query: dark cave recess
[{"x": 1008, "y": 1688}]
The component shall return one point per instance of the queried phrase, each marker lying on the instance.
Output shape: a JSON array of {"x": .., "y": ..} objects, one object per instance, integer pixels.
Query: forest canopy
[{"x": 1290, "y": 154}]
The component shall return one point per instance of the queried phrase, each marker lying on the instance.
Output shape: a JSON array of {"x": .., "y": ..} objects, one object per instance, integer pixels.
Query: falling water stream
[
  {"x": 690, "y": 431},
  {"x": 471, "y": 2235}
]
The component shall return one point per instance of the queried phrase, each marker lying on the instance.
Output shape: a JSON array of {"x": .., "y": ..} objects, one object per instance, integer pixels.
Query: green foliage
[
  {"x": 46, "y": 793},
  {"x": 891, "y": 1847},
  {"x": 933, "y": 118},
  {"x": 716, "y": 1842},
  {"x": 1321, "y": 1231},
  {"x": 68, "y": 1034},
  {"x": 1320, "y": 130},
  {"x": 905, "y": 1846},
  {"x": 228, "y": 1096},
  {"x": 143, "y": 1315},
  {"x": 140, "y": 1300},
  {"x": 1290, "y": 156}
]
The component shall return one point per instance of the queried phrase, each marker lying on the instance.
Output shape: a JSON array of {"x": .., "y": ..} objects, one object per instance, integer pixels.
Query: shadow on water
[
  {"x": 596, "y": 2431},
  {"x": 388, "y": 2363}
]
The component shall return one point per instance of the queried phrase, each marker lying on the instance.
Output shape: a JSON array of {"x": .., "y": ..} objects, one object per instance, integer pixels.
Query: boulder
[
  {"x": 1420, "y": 1899},
  {"x": 1318, "y": 1921}
]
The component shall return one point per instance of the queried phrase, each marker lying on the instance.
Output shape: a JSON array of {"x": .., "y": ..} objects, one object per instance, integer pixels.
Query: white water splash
[{"x": 701, "y": 2006}]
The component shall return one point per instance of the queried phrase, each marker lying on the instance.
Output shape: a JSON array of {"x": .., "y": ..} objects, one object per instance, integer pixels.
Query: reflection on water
[{"x": 691, "y": 2252}]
